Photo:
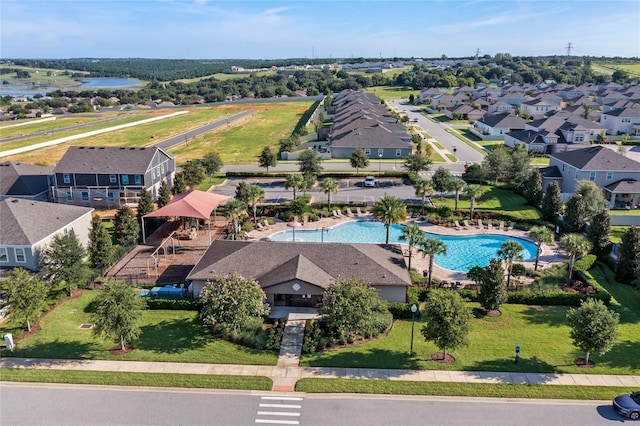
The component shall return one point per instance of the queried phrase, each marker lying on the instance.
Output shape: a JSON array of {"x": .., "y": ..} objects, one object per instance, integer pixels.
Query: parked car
[
  {"x": 628, "y": 405},
  {"x": 369, "y": 181}
]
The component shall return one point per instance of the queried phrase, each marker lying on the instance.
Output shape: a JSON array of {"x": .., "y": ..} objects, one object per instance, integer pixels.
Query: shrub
[
  {"x": 584, "y": 263},
  {"x": 154, "y": 303},
  {"x": 518, "y": 270},
  {"x": 444, "y": 211},
  {"x": 402, "y": 310}
]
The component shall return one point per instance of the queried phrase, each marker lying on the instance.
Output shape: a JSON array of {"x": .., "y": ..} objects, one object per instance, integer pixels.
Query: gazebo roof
[{"x": 197, "y": 204}]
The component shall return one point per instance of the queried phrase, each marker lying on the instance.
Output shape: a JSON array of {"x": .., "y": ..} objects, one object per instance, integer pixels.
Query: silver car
[{"x": 628, "y": 405}]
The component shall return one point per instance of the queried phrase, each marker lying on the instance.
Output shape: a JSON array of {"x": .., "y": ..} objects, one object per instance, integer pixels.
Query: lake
[{"x": 86, "y": 83}]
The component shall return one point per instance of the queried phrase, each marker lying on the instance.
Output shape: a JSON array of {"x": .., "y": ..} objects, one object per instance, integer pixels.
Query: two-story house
[
  {"x": 20, "y": 180},
  {"x": 622, "y": 120},
  {"x": 109, "y": 177}
]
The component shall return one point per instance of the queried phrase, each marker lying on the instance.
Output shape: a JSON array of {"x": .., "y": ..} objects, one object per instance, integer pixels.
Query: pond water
[{"x": 87, "y": 83}]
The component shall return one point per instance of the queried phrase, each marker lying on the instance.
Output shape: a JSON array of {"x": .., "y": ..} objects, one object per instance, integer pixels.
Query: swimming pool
[{"x": 462, "y": 252}]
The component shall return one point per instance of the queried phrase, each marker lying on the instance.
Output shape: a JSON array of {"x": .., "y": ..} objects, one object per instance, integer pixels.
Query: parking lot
[{"x": 352, "y": 190}]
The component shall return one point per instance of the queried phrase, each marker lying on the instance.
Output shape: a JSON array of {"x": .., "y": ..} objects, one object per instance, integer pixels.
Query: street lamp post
[
  {"x": 237, "y": 153},
  {"x": 414, "y": 309},
  {"x": 379, "y": 163}
]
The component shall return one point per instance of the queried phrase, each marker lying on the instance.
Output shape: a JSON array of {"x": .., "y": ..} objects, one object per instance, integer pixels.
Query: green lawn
[
  {"x": 540, "y": 330},
  {"x": 459, "y": 389},
  {"x": 540, "y": 161},
  {"x": 496, "y": 200},
  {"x": 616, "y": 233},
  {"x": 625, "y": 212},
  {"x": 38, "y": 125},
  {"x": 176, "y": 336},
  {"x": 392, "y": 92},
  {"x": 205, "y": 381}
]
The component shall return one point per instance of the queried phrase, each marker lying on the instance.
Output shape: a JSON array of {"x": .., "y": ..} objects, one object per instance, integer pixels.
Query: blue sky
[{"x": 202, "y": 29}]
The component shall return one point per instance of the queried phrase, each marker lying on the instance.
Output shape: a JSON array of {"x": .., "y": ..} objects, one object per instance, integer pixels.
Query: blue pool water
[{"x": 462, "y": 252}]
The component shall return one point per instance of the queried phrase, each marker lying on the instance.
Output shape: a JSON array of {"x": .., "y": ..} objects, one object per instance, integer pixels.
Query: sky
[{"x": 237, "y": 29}]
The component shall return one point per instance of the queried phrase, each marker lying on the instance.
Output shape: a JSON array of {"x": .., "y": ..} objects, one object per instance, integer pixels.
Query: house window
[
  {"x": 69, "y": 195},
  {"x": 4, "y": 257},
  {"x": 563, "y": 167},
  {"x": 579, "y": 138},
  {"x": 398, "y": 152},
  {"x": 113, "y": 179},
  {"x": 609, "y": 175},
  {"x": 380, "y": 152},
  {"x": 162, "y": 168},
  {"x": 110, "y": 196},
  {"x": 367, "y": 151},
  {"x": 20, "y": 256},
  {"x": 66, "y": 178},
  {"x": 137, "y": 179},
  {"x": 125, "y": 179},
  {"x": 84, "y": 195},
  {"x": 592, "y": 176},
  {"x": 153, "y": 174}
]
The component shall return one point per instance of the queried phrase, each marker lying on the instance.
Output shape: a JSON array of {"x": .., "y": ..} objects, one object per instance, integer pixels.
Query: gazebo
[{"x": 195, "y": 204}]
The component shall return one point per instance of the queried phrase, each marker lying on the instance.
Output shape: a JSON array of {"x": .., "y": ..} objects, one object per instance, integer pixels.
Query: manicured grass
[
  {"x": 540, "y": 330},
  {"x": 208, "y": 182},
  {"x": 269, "y": 124},
  {"x": 490, "y": 143},
  {"x": 467, "y": 141},
  {"x": 173, "y": 380},
  {"x": 616, "y": 233},
  {"x": 497, "y": 200},
  {"x": 37, "y": 125},
  {"x": 452, "y": 157},
  {"x": 177, "y": 336},
  {"x": 437, "y": 144},
  {"x": 625, "y": 212},
  {"x": 392, "y": 92},
  {"x": 540, "y": 161},
  {"x": 459, "y": 389}
]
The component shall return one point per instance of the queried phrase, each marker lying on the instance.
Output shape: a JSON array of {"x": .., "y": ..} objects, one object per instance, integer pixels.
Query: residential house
[
  {"x": 109, "y": 177},
  {"x": 499, "y": 124},
  {"x": 297, "y": 273},
  {"x": 464, "y": 112},
  {"x": 538, "y": 108},
  {"x": 28, "y": 226},
  {"x": 622, "y": 120},
  {"x": 617, "y": 175},
  {"x": 20, "y": 180}
]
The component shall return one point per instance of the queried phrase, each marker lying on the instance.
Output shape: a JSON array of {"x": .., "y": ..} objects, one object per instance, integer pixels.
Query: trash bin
[{"x": 425, "y": 273}]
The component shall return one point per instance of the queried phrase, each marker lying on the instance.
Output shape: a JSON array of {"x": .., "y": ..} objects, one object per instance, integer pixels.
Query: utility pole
[{"x": 569, "y": 49}]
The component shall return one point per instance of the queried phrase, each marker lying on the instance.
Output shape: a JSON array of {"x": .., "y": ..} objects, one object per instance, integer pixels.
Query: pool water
[{"x": 462, "y": 252}]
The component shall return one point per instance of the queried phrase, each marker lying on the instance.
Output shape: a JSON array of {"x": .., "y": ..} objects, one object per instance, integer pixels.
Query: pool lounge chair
[
  {"x": 480, "y": 225},
  {"x": 466, "y": 224},
  {"x": 510, "y": 227},
  {"x": 490, "y": 225},
  {"x": 335, "y": 214},
  {"x": 349, "y": 212},
  {"x": 501, "y": 226},
  {"x": 457, "y": 225}
]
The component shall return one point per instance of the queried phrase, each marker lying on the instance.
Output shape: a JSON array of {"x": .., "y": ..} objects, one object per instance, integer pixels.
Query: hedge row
[
  {"x": 402, "y": 310},
  {"x": 174, "y": 304}
]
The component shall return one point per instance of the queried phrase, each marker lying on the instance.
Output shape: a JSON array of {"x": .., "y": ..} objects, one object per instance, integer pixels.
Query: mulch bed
[
  {"x": 580, "y": 363},
  {"x": 115, "y": 351},
  {"x": 492, "y": 314},
  {"x": 437, "y": 357}
]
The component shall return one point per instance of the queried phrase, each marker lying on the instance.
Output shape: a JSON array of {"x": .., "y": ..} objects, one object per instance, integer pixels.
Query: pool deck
[{"x": 549, "y": 255}]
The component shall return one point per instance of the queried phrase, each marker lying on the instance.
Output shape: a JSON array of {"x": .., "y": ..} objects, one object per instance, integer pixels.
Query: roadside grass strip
[
  {"x": 174, "y": 380},
  {"x": 459, "y": 389}
]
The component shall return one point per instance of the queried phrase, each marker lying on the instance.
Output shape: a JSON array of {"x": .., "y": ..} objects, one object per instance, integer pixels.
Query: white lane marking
[
  {"x": 283, "y": 398},
  {"x": 279, "y": 406},
  {"x": 278, "y": 413},
  {"x": 278, "y": 422}
]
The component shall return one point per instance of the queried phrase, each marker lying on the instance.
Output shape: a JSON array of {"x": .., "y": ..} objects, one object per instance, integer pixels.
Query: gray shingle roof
[
  {"x": 504, "y": 119},
  {"x": 23, "y": 179},
  {"x": 106, "y": 160},
  {"x": 271, "y": 263},
  {"x": 625, "y": 186},
  {"x": 597, "y": 158},
  {"x": 25, "y": 222}
]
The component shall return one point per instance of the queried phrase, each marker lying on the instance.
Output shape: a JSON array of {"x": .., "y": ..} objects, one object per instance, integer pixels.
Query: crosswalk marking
[
  {"x": 278, "y": 413},
  {"x": 265, "y": 416},
  {"x": 282, "y": 398},
  {"x": 278, "y": 422},
  {"x": 280, "y": 406}
]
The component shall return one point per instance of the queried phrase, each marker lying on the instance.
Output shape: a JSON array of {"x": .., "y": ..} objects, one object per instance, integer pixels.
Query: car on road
[
  {"x": 369, "y": 181},
  {"x": 628, "y": 405}
]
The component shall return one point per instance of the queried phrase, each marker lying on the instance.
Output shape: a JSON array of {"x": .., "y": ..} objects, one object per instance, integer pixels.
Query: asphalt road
[{"x": 34, "y": 404}]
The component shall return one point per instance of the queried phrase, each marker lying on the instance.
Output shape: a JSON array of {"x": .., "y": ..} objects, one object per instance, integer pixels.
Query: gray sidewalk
[{"x": 285, "y": 377}]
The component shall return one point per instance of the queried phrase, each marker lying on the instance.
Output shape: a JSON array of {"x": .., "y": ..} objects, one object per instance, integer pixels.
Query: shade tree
[
  {"x": 25, "y": 294},
  {"x": 448, "y": 320},
  {"x": 62, "y": 261},
  {"x": 594, "y": 328}
]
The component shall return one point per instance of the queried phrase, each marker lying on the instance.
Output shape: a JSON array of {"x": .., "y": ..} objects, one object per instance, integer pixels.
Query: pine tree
[
  {"x": 126, "y": 229},
  {"x": 575, "y": 215},
  {"x": 145, "y": 204},
  {"x": 100, "y": 247},
  {"x": 267, "y": 158},
  {"x": 533, "y": 188},
  {"x": 551, "y": 202},
  {"x": 179, "y": 184},
  {"x": 598, "y": 232},
  {"x": 164, "y": 194},
  {"x": 628, "y": 266},
  {"x": 493, "y": 292},
  {"x": 63, "y": 260}
]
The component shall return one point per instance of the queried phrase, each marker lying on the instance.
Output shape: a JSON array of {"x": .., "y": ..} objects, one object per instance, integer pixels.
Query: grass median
[
  {"x": 459, "y": 389},
  {"x": 203, "y": 381}
]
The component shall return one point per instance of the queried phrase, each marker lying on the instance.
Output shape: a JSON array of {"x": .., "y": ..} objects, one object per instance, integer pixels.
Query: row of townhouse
[{"x": 360, "y": 121}]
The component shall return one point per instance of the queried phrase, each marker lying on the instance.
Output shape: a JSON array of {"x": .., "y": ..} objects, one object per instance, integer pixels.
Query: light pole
[
  {"x": 379, "y": 162},
  {"x": 237, "y": 153},
  {"x": 414, "y": 309}
]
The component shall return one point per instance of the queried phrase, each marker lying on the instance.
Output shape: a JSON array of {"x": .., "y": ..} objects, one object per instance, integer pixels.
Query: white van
[{"x": 369, "y": 181}]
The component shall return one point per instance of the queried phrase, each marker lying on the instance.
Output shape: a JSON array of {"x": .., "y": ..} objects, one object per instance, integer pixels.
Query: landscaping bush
[
  {"x": 585, "y": 263},
  {"x": 444, "y": 211},
  {"x": 161, "y": 303},
  {"x": 274, "y": 334},
  {"x": 518, "y": 270},
  {"x": 557, "y": 298},
  {"x": 402, "y": 310}
]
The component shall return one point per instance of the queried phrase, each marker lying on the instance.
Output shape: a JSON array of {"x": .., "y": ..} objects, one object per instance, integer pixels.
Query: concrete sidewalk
[{"x": 285, "y": 377}]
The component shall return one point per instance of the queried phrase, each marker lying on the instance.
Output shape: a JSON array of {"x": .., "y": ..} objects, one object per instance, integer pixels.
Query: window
[
  {"x": 125, "y": 179},
  {"x": 380, "y": 152},
  {"x": 4, "y": 257},
  {"x": 579, "y": 138},
  {"x": 69, "y": 195},
  {"x": 592, "y": 176},
  {"x": 84, "y": 195},
  {"x": 113, "y": 179},
  {"x": 20, "y": 256},
  {"x": 137, "y": 179},
  {"x": 367, "y": 151},
  {"x": 110, "y": 196},
  {"x": 398, "y": 152},
  {"x": 162, "y": 168},
  {"x": 153, "y": 174},
  {"x": 66, "y": 178},
  {"x": 563, "y": 167},
  {"x": 609, "y": 175}
]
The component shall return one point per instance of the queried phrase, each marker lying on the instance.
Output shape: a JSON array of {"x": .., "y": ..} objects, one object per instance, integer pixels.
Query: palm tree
[
  {"x": 539, "y": 235},
  {"x": 509, "y": 251},
  {"x": 576, "y": 246},
  {"x": 236, "y": 210},
  {"x": 255, "y": 195},
  {"x": 424, "y": 187},
  {"x": 295, "y": 182},
  {"x": 389, "y": 209},
  {"x": 457, "y": 185},
  {"x": 413, "y": 235},
  {"x": 431, "y": 247},
  {"x": 473, "y": 192},
  {"x": 330, "y": 185}
]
